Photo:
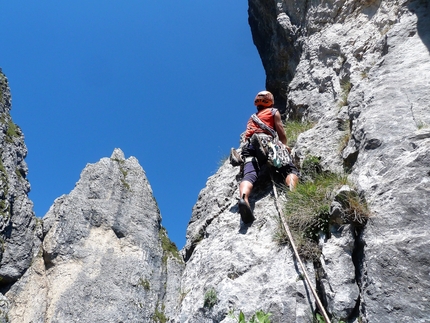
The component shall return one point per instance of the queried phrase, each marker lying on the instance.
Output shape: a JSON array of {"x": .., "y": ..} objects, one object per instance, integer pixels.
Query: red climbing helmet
[{"x": 264, "y": 99}]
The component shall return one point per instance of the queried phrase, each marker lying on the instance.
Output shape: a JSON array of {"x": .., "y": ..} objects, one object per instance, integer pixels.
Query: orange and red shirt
[{"x": 266, "y": 116}]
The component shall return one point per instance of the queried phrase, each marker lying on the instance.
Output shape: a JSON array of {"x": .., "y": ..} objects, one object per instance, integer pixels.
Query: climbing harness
[{"x": 293, "y": 245}]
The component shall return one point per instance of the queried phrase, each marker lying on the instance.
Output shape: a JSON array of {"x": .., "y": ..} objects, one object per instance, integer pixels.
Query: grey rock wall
[
  {"x": 358, "y": 69},
  {"x": 243, "y": 264},
  {"x": 364, "y": 65},
  {"x": 102, "y": 259},
  {"x": 18, "y": 225}
]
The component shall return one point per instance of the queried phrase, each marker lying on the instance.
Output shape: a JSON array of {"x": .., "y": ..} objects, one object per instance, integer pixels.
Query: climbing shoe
[
  {"x": 235, "y": 159},
  {"x": 245, "y": 212},
  {"x": 260, "y": 151}
]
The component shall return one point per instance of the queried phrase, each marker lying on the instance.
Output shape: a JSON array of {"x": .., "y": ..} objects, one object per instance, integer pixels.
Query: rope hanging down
[{"x": 290, "y": 237}]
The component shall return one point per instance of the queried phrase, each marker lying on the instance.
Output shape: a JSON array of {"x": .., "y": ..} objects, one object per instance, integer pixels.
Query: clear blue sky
[{"x": 169, "y": 82}]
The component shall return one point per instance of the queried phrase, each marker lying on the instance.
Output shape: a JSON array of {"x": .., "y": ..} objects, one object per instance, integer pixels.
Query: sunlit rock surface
[
  {"x": 360, "y": 71},
  {"x": 102, "y": 258},
  {"x": 365, "y": 65}
]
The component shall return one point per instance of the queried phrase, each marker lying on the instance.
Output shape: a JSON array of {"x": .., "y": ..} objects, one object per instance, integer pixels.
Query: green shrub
[
  {"x": 123, "y": 172},
  {"x": 13, "y": 131},
  {"x": 345, "y": 127},
  {"x": 344, "y": 140},
  {"x": 421, "y": 125},
  {"x": 3, "y": 82},
  {"x": 310, "y": 168},
  {"x": 211, "y": 298}
]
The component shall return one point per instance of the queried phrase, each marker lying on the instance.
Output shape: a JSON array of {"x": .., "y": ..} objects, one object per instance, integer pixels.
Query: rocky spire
[{"x": 105, "y": 256}]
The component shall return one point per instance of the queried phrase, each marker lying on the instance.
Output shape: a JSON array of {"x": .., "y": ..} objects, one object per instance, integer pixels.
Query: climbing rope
[{"x": 293, "y": 245}]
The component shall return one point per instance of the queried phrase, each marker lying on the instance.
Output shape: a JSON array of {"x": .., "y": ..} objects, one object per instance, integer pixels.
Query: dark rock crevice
[{"x": 358, "y": 259}]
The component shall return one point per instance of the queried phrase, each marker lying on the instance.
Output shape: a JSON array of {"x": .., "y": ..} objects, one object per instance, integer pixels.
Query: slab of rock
[{"x": 243, "y": 264}]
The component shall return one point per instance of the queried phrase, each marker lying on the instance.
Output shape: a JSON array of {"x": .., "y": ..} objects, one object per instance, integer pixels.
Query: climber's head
[{"x": 264, "y": 99}]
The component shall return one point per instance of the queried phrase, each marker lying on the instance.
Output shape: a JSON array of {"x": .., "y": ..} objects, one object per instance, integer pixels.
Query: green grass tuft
[
  {"x": 307, "y": 210},
  {"x": 346, "y": 87},
  {"x": 169, "y": 247},
  {"x": 145, "y": 284},
  {"x": 258, "y": 317},
  {"x": 159, "y": 316},
  {"x": 294, "y": 128},
  {"x": 422, "y": 125},
  {"x": 210, "y": 299}
]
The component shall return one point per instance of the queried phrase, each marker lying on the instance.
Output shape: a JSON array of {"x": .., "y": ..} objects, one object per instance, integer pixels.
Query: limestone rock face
[
  {"x": 242, "y": 264},
  {"x": 363, "y": 76},
  {"x": 102, "y": 258},
  {"x": 18, "y": 227},
  {"x": 360, "y": 71}
]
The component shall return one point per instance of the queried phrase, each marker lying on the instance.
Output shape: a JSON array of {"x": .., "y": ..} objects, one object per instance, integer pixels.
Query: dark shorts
[{"x": 251, "y": 168}]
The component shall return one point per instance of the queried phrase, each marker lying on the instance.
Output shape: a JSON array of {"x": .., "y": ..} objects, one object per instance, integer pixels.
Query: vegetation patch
[
  {"x": 257, "y": 317},
  {"x": 123, "y": 172},
  {"x": 364, "y": 74},
  {"x": 182, "y": 295},
  {"x": 354, "y": 208},
  {"x": 346, "y": 87},
  {"x": 3, "y": 82},
  {"x": 307, "y": 210},
  {"x": 210, "y": 299},
  {"x": 311, "y": 167},
  {"x": 320, "y": 319},
  {"x": 421, "y": 125},
  {"x": 293, "y": 128},
  {"x": 145, "y": 284},
  {"x": 2, "y": 168},
  {"x": 13, "y": 131},
  {"x": 5, "y": 209},
  {"x": 169, "y": 247},
  {"x": 4, "y": 189},
  {"x": 159, "y": 316},
  {"x": 222, "y": 160},
  {"x": 2, "y": 247},
  {"x": 124, "y": 182}
]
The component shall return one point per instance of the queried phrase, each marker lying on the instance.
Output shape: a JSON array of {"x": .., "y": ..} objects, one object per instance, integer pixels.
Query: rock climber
[{"x": 253, "y": 155}]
